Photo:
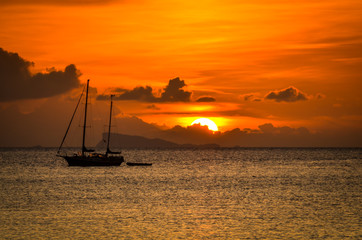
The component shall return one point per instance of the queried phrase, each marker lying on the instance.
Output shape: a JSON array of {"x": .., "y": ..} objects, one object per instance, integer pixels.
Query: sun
[{"x": 206, "y": 122}]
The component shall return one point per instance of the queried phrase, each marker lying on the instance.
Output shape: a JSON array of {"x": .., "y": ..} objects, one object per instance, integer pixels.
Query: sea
[{"x": 238, "y": 193}]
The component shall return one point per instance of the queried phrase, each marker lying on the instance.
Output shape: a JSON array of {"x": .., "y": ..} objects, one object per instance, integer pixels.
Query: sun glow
[{"x": 206, "y": 122}]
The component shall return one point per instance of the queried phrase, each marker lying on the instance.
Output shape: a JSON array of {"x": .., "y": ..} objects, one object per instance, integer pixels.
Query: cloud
[
  {"x": 173, "y": 92},
  {"x": 143, "y": 94},
  {"x": 248, "y": 97},
  {"x": 264, "y": 136},
  {"x": 18, "y": 83},
  {"x": 320, "y": 96},
  {"x": 290, "y": 94},
  {"x": 139, "y": 93},
  {"x": 268, "y": 135},
  {"x": 54, "y": 2},
  {"x": 194, "y": 134},
  {"x": 251, "y": 97},
  {"x": 206, "y": 99},
  {"x": 153, "y": 106},
  {"x": 268, "y": 128}
]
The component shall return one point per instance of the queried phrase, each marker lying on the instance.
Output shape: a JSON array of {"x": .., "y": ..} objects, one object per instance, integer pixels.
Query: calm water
[{"x": 186, "y": 194}]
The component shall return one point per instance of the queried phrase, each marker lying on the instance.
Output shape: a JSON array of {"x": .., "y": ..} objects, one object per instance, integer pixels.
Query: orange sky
[{"x": 236, "y": 52}]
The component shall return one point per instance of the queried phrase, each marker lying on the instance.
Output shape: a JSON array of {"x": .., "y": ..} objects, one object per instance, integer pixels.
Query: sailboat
[{"x": 88, "y": 157}]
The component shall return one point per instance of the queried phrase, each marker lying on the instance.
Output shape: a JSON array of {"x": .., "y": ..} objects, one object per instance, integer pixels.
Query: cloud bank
[
  {"x": 266, "y": 135},
  {"x": 173, "y": 92},
  {"x": 18, "y": 83},
  {"x": 290, "y": 94}
]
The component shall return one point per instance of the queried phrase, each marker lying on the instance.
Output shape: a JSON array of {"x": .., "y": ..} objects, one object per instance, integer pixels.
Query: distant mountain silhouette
[{"x": 122, "y": 141}]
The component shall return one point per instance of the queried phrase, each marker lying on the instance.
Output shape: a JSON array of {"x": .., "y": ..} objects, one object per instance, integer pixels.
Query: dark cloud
[
  {"x": 139, "y": 93},
  {"x": 18, "y": 83},
  {"x": 173, "y": 92},
  {"x": 268, "y": 128},
  {"x": 248, "y": 97},
  {"x": 195, "y": 134},
  {"x": 290, "y": 94},
  {"x": 206, "y": 99},
  {"x": 143, "y": 94},
  {"x": 251, "y": 97},
  {"x": 266, "y": 135},
  {"x": 153, "y": 106},
  {"x": 320, "y": 96},
  {"x": 54, "y": 2}
]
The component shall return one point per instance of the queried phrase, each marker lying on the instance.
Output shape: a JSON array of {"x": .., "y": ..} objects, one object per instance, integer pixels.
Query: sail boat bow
[{"x": 88, "y": 157}]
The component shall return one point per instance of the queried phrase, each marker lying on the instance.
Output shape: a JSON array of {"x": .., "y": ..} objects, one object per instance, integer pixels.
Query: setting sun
[{"x": 206, "y": 122}]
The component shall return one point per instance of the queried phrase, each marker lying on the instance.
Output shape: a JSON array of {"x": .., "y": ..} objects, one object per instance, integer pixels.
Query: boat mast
[
  {"x": 109, "y": 127},
  {"x": 85, "y": 119}
]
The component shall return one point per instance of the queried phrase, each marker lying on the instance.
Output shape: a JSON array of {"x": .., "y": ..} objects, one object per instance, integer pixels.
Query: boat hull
[
  {"x": 86, "y": 161},
  {"x": 138, "y": 164}
]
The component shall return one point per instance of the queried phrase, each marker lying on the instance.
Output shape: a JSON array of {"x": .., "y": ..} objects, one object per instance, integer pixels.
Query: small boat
[
  {"x": 88, "y": 157},
  {"x": 138, "y": 164}
]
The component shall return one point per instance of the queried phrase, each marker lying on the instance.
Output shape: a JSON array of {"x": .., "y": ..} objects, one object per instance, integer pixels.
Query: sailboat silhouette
[{"x": 88, "y": 157}]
